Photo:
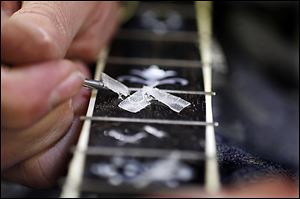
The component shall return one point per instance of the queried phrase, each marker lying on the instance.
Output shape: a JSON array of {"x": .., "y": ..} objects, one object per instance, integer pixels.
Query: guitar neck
[{"x": 177, "y": 56}]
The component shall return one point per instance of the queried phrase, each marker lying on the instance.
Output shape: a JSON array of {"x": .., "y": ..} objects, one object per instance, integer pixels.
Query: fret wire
[
  {"x": 141, "y": 152},
  {"x": 175, "y": 91},
  {"x": 156, "y": 61},
  {"x": 153, "y": 121},
  {"x": 185, "y": 10},
  {"x": 181, "y": 91},
  {"x": 146, "y": 35},
  {"x": 96, "y": 186}
]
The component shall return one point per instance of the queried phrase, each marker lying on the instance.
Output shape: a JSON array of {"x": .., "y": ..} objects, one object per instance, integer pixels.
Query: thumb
[
  {"x": 30, "y": 92},
  {"x": 42, "y": 30}
]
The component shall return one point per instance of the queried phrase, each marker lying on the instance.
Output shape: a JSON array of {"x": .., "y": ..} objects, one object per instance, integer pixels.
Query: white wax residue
[
  {"x": 114, "y": 85},
  {"x": 135, "y": 102}
]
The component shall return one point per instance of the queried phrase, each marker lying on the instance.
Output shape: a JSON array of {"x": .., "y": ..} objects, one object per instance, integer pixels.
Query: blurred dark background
[{"x": 258, "y": 103}]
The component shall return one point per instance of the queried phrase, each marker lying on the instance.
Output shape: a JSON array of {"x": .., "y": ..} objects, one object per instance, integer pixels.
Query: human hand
[
  {"x": 40, "y": 118},
  {"x": 45, "y": 30}
]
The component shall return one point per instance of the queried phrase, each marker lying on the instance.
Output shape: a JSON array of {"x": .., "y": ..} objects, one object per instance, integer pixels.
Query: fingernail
[{"x": 66, "y": 89}]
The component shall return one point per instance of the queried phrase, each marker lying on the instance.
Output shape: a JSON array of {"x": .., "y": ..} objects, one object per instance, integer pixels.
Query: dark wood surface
[{"x": 178, "y": 137}]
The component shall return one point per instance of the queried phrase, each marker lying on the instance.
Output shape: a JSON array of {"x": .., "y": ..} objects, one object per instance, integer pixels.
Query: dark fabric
[{"x": 237, "y": 165}]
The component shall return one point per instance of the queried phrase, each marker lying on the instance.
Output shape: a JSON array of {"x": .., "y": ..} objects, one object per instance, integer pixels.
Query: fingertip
[
  {"x": 83, "y": 68},
  {"x": 42, "y": 30},
  {"x": 66, "y": 89},
  {"x": 80, "y": 101},
  {"x": 33, "y": 91}
]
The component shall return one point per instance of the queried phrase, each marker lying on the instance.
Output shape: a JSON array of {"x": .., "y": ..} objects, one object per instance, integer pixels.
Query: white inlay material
[
  {"x": 140, "y": 173},
  {"x": 174, "y": 80},
  {"x": 176, "y": 171},
  {"x": 154, "y": 131},
  {"x": 104, "y": 170},
  {"x": 153, "y": 73},
  {"x": 153, "y": 21},
  {"x": 153, "y": 76},
  {"x": 132, "y": 139},
  {"x": 124, "y": 138},
  {"x": 114, "y": 85}
]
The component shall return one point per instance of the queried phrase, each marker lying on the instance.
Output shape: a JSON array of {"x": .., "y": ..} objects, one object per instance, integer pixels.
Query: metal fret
[
  {"x": 96, "y": 186},
  {"x": 142, "y": 152},
  {"x": 176, "y": 91},
  {"x": 174, "y": 36},
  {"x": 156, "y": 61},
  {"x": 150, "y": 121},
  {"x": 185, "y": 10},
  {"x": 180, "y": 91}
]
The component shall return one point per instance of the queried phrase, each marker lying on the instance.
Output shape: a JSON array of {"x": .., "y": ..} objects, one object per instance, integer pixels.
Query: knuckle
[
  {"x": 48, "y": 28},
  {"x": 47, "y": 47}
]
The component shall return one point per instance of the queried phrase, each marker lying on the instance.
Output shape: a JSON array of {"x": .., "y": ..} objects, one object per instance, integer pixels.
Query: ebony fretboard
[{"x": 137, "y": 46}]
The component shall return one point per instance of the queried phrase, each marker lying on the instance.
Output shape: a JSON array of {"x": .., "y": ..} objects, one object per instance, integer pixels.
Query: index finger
[{"x": 42, "y": 30}]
